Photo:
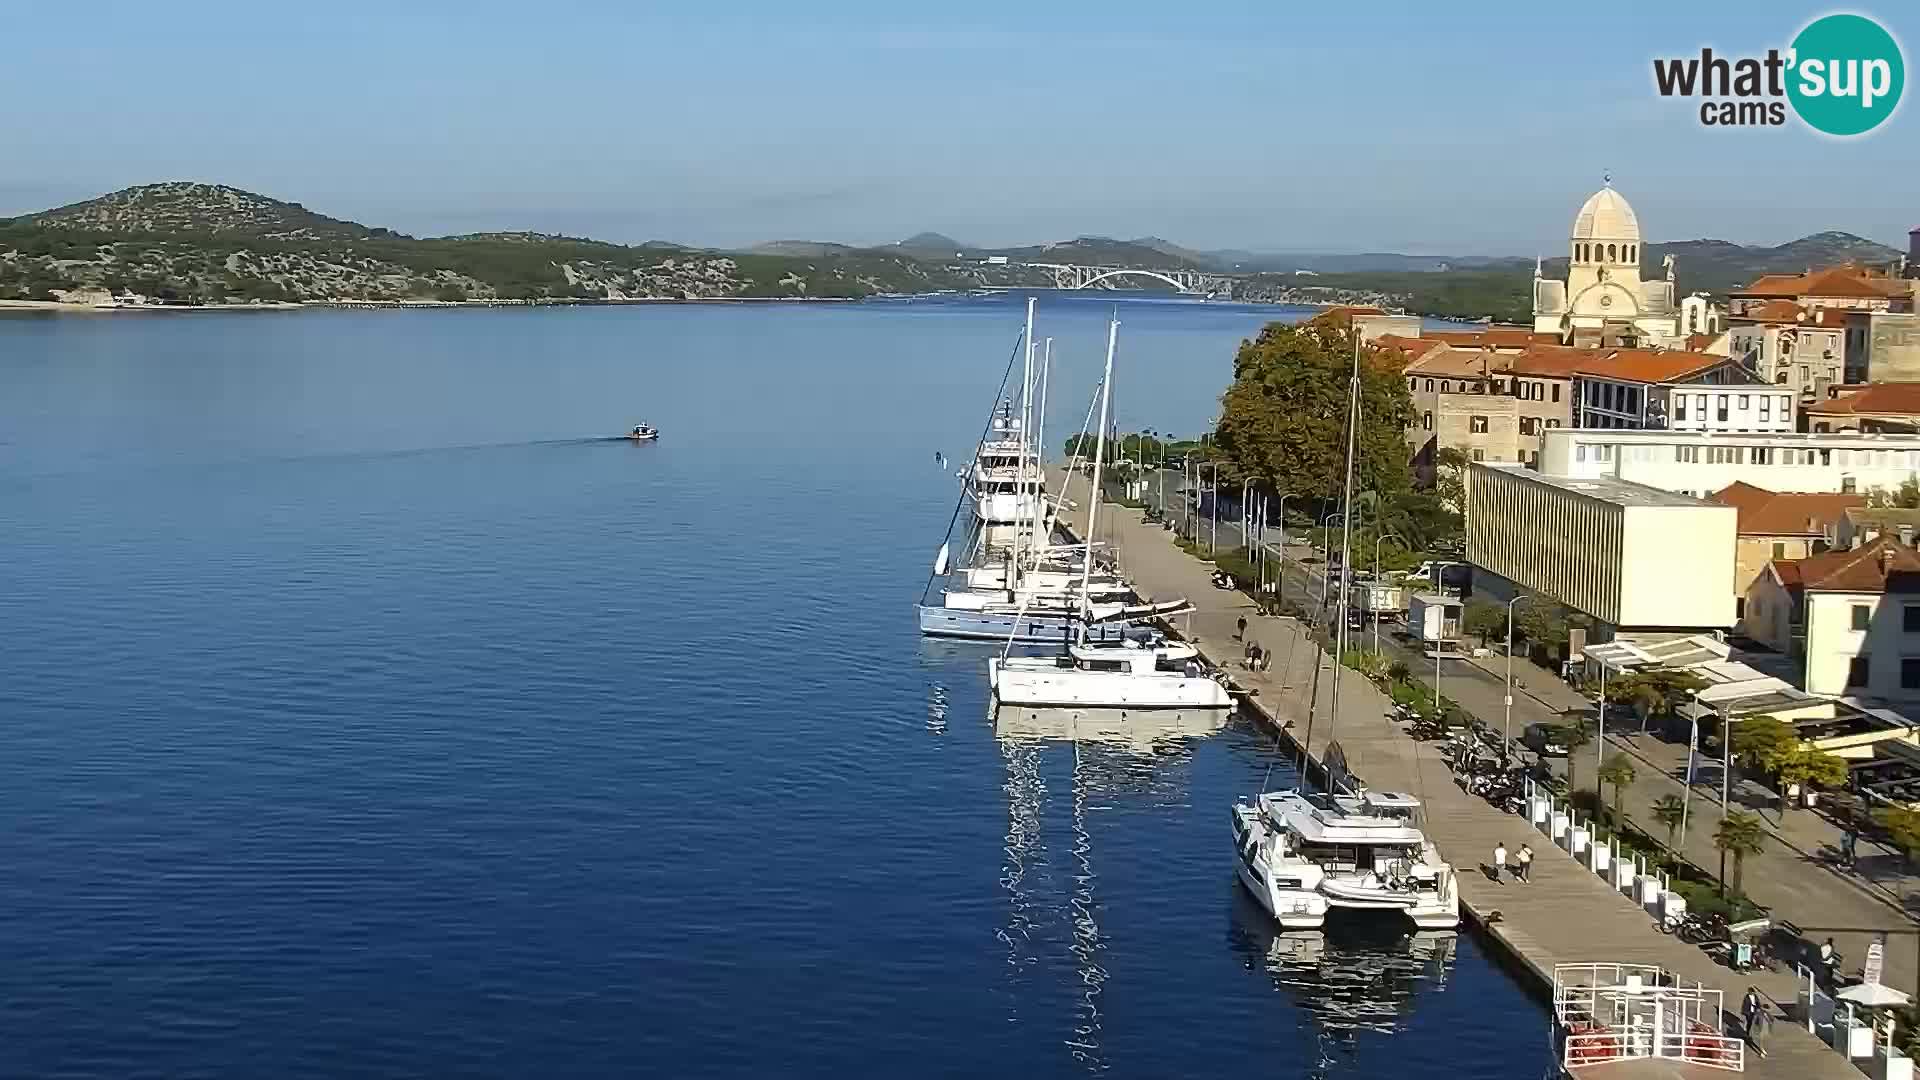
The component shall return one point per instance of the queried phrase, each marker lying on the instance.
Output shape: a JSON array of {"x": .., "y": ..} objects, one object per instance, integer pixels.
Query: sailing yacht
[
  {"x": 1304, "y": 853},
  {"x": 1016, "y": 584},
  {"x": 1128, "y": 673}
]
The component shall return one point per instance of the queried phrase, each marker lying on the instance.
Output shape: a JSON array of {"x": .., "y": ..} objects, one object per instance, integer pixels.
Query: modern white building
[
  {"x": 1849, "y": 619},
  {"x": 1718, "y": 406},
  {"x": 1699, "y": 463},
  {"x": 1630, "y": 556},
  {"x": 1603, "y": 301}
]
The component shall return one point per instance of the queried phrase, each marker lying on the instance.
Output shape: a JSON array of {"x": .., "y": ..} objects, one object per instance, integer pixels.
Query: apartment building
[
  {"x": 1703, "y": 462},
  {"x": 1849, "y": 620},
  {"x": 1778, "y": 525},
  {"x": 1892, "y": 407}
]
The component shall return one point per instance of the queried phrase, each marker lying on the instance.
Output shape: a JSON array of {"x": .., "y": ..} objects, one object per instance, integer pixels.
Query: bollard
[
  {"x": 1577, "y": 839},
  {"x": 1538, "y": 807},
  {"x": 1599, "y": 857},
  {"x": 1557, "y": 825}
]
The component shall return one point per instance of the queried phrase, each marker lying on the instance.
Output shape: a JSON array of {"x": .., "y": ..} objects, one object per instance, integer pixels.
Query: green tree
[
  {"x": 1617, "y": 771},
  {"x": 1669, "y": 811},
  {"x": 1903, "y": 825},
  {"x": 1283, "y": 420},
  {"x": 1739, "y": 834},
  {"x": 1906, "y": 496},
  {"x": 1654, "y": 693},
  {"x": 1763, "y": 743},
  {"x": 1485, "y": 620},
  {"x": 1811, "y": 768}
]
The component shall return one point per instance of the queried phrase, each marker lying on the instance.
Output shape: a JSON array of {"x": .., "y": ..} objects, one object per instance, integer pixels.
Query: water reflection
[
  {"x": 1116, "y": 753},
  {"x": 1356, "y": 977}
]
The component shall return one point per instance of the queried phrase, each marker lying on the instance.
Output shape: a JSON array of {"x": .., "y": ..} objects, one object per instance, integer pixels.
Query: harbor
[{"x": 1564, "y": 915}]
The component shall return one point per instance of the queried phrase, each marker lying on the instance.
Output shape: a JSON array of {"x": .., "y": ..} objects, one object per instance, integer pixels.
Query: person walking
[
  {"x": 1524, "y": 869},
  {"x": 1499, "y": 859},
  {"x": 1753, "y": 1010},
  {"x": 1849, "y": 847},
  {"x": 1241, "y": 632}
]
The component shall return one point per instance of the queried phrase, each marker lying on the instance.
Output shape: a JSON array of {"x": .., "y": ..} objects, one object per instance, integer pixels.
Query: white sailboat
[{"x": 1116, "y": 674}]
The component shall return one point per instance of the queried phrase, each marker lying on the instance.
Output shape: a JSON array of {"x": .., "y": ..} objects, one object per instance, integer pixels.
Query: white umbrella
[{"x": 1873, "y": 995}]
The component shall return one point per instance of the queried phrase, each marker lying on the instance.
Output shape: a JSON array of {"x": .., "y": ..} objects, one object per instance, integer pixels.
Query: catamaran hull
[
  {"x": 1033, "y": 629},
  {"x": 1104, "y": 689},
  {"x": 1292, "y": 909}
]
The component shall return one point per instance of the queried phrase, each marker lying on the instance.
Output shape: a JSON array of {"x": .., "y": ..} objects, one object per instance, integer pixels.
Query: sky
[{"x": 1413, "y": 127}]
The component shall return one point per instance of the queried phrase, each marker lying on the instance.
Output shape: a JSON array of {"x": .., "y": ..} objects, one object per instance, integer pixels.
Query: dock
[{"x": 1566, "y": 915}]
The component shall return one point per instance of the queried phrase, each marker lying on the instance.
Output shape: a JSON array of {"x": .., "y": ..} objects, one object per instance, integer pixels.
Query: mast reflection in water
[{"x": 1118, "y": 754}]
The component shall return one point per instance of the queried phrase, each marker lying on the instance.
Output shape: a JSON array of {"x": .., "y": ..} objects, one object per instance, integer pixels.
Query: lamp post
[
  {"x": 1507, "y": 701},
  {"x": 1600, "y": 734},
  {"x": 1686, "y": 793}
]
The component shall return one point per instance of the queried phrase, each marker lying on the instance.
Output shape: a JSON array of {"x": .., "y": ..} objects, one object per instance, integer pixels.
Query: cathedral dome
[{"x": 1606, "y": 216}]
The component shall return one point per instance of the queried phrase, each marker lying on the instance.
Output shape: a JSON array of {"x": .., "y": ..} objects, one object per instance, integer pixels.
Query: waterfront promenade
[{"x": 1566, "y": 915}]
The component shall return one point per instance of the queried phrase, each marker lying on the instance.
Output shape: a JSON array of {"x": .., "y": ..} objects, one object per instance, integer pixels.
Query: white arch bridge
[{"x": 1191, "y": 282}]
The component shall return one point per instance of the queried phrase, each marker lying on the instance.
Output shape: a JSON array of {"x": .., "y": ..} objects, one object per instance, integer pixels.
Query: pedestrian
[
  {"x": 1242, "y": 624},
  {"x": 1828, "y": 960},
  {"x": 1499, "y": 859},
  {"x": 1849, "y": 847},
  {"x": 1753, "y": 1010},
  {"x": 1524, "y": 870}
]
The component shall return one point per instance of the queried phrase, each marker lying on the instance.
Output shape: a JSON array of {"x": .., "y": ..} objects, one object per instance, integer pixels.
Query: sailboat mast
[
  {"x": 1020, "y": 483},
  {"x": 1041, "y": 534},
  {"x": 1346, "y": 527},
  {"x": 1099, "y": 460}
]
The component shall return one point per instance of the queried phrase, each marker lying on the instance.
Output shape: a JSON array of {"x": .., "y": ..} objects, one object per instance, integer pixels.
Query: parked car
[{"x": 1542, "y": 740}]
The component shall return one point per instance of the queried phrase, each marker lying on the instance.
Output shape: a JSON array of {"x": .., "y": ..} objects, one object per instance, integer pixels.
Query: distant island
[{"x": 188, "y": 243}]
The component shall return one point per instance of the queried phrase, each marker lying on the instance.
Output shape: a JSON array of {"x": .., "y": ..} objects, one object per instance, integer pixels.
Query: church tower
[{"x": 1604, "y": 301}]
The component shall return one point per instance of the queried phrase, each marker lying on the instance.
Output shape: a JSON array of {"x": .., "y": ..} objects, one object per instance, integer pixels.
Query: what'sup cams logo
[{"x": 1842, "y": 75}]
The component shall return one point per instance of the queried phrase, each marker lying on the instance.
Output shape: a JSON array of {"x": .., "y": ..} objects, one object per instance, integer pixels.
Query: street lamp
[
  {"x": 1686, "y": 792},
  {"x": 1507, "y": 702}
]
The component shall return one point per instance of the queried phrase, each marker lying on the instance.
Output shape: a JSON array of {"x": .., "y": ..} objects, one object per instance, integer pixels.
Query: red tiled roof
[
  {"x": 1778, "y": 311},
  {"x": 1699, "y": 342},
  {"x": 1776, "y": 513},
  {"x": 1897, "y": 398},
  {"x": 1446, "y": 360},
  {"x": 1497, "y": 337},
  {"x": 1788, "y": 571},
  {"x": 1879, "y": 566},
  {"x": 1847, "y": 281},
  {"x": 1630, "y": 365}
]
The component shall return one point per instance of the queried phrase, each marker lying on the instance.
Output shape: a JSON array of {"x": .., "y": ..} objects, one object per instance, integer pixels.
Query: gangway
[{"x": 1608, "y": 1013}]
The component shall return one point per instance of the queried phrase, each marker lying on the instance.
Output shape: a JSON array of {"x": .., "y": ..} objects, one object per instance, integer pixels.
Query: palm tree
[
  {"x": 1575, "y": 734},
  {"x": 1739, "y": 834},
  {"x": 1618, "y": 771},
  {"x": 1669, "y": 811}
]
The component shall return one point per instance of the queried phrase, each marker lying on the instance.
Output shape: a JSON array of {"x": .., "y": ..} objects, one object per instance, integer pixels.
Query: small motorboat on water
[{"x": 644, "y": 433}]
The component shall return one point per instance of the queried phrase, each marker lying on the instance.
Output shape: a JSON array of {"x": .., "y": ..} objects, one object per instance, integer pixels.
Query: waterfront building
[
  {"x": 1778, "y": 525},
  {"x": 1702, "y": 462},
  {"x": 1849, "y": 620},
  {"x": 1627, "y": 555},
  {"x": 1603, "y": 301}
]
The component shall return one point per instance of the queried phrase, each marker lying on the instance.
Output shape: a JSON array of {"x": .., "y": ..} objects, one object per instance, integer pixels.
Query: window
[
  {"x": 1477, "y": 425},
  {"x": 1700, "y": 404},
  {"x": 1859, "y": 671},
  {"x": 1862, "y": 615},
  {"x": 1580, "y": 452},
  {"x": 1556, "y": 395},
  {"x": 1744, "y": 403},
  {"x": 1613, "y": 252},
  {"x": 1763, "y": 455},
  {"x": 1413, "y": 383},
  {"x": 1426, "y": 421},
  {"x": 1720, "y": 407},
  {"x": 1779, "y": 550},
  {"x": 1479, "y": 454},
  {"x": 1554, "y": 423},
  {"x": 1430, "y": 385},
  {"x": 1910, "y": 673},
  {"x": 1679, "y": 406},
  {"x": 1848, "y": 485},
  {"x": 1910, "y": 619},
  {"x": 1739, "y": 607},
  {"x": 1766, "y": 404},
  {"x": 1781, "y": 378}
]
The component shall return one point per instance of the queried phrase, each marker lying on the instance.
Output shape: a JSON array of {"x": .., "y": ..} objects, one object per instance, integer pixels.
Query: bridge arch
[{"x": 1156, "y": 275}]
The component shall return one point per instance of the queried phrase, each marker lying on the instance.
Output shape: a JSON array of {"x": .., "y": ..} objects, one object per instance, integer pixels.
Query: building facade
[
  {"x": 1700, "y": 463},
  {"x": 1849, "y": 620},
  {"x": 1891, "y": 407},
  {"x": 1629, "y": 556},
  {"x": 1778, "y": 525}
]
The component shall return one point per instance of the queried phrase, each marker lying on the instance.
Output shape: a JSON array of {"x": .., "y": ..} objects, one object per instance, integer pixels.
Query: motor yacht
[{"x": 1124, "y": 674}]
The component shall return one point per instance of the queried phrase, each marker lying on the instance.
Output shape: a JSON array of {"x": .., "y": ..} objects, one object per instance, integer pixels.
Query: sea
[{"x": 365, "y": 710}]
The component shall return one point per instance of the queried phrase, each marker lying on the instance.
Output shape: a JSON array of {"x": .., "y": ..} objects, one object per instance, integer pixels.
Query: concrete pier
[{"x": 1566, "y": 914}]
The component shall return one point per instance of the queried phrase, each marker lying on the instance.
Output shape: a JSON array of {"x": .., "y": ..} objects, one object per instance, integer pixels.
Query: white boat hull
[{"x": 1104, "y": 689}]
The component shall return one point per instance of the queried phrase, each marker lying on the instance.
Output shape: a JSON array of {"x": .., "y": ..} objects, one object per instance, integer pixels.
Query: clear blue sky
[{"x": 1414, "y": 127}]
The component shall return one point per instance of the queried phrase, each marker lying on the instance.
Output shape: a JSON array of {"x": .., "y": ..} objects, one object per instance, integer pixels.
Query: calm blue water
[{"x": 359, "y": 718}]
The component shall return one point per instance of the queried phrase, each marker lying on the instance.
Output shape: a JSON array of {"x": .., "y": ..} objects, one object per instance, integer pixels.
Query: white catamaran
[
  {"x": 1302, "y": 854},
  {"x": 1127, "y": 673}
]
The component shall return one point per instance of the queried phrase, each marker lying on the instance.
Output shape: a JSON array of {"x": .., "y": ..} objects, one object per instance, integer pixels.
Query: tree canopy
[{"x": 1284, "y": 419}]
